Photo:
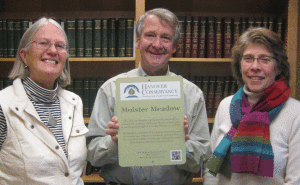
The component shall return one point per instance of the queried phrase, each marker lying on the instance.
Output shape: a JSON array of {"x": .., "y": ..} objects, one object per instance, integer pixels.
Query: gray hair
[
  {"x": 267, "y": 38},
  {"x": 164, "y": 15},
  {"x": 21, "y": 71}
]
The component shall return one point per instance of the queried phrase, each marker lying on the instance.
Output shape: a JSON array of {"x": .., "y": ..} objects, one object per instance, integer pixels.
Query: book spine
[
  {"x": 219, "y": 47},
  {"x": 80, "y": 37},
  {"x": 111, "y": 37},
  {"x": 226, "y": 86},
  {"x": 1, "y": 83},
  {"x": 104, "y": 38},
  {"x": 251, "y": 22},
  {"x": 10, "y": 38},
  {"x": 88, "y": 37},
  {"x": 97, "y": 37},
  {"x": 17, "y": 35},
  {"x": 195, "y": 37},
  {"x": 121, "y": 30},
  {"x": 93, "y": 93},
  {"x": 202, "y": 37},
  {"x": 85, "y": 97},
  {"x": 211, "y": 40},
  {"x": 100, "y": 82},
  {"x": 129, "y": 37},
  {"x": 180, "y": 45},
  {"x": 205, "y": 82},
  {"x": 188, "y": 37},
  {"x": 279, "y": 27},
  {"x": 233, "y": 86},
  {"x": 210, "y": 96},
  {"x": 198, "y": 82},
  {"x": 265, "y": 22},
  {"x": 24, "y": 26},
  {"x": 4, "y": 36},
  {"x": 78, "y": 87},
  {"x": 244, "y": 24},
  {"x": 218, "y": 93},
  {"x": 271, "y": 23},
  {"x": 227, "y": 38},
  {"x": 1, "y": 40},
  {"x": 71, "y": 33},
  {"x": 257, "y": 21},
  {"x": 237, "y": 28}
]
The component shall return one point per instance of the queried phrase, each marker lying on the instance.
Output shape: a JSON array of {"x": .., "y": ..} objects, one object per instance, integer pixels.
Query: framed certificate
[{"x": 150, "y": 113}]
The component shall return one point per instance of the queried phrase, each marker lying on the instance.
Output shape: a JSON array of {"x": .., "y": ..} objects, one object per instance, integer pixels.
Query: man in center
[{"x": 158, "y": 33}]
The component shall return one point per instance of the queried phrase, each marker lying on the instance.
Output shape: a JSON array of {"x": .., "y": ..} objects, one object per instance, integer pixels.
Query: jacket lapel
[
  {"x": 67, "y": 110},
  {"x": 23, "y": 107}
]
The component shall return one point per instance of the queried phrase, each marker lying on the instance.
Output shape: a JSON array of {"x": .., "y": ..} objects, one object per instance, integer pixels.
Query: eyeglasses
[
  {"x": 264, "y": 60},
  {"x": 44, "y": 45}
]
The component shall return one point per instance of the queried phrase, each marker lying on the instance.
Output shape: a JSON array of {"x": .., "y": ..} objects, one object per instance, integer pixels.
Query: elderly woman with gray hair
[
  {"x": 256, "y": 135},
  {"x": 42, "y": 131}
]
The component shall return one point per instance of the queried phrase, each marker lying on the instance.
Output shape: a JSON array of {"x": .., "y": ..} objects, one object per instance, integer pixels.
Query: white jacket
[{"x": 30, "y": 153}]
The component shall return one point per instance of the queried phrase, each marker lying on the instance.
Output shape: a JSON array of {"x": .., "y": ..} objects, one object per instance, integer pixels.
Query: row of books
[
  {"x": 214, "y": 88},
  {"x": 213, "y": 37},
  {"x": 11, "y": 32},
  {"x": 99, "y": 37},
  {"x": 87, "y": 89}
]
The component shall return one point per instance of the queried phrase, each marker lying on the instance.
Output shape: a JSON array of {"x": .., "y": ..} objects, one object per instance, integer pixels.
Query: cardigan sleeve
[{"x": 3, "y": 128}]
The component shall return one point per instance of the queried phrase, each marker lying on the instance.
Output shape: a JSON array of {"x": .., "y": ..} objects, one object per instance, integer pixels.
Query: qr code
[{"x": 176, "y": 155}]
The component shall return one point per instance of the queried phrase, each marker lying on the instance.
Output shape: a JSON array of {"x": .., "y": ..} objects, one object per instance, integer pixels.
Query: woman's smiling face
[
  {"x": 258, "y": 75},
  {"x": 45, "y": 65}
]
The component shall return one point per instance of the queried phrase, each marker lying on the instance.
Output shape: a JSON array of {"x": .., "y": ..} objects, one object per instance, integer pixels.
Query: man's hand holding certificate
[{"x": 150, "y": 121}]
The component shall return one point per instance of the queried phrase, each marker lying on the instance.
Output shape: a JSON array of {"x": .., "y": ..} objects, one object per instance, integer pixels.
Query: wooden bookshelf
[
  {"x": 289, "y": 10},
  {"x": 108, "y": 67}
]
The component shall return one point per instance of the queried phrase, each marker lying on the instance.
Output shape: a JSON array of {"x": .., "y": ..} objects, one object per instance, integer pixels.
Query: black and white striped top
[{"x": 45, "y": 101}]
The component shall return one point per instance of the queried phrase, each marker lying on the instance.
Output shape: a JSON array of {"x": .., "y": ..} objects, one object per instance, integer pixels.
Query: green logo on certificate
[{"x": 150, "y": 113}]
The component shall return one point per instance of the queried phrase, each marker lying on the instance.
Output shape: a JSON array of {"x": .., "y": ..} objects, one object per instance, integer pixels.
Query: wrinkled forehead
[{"x": 49, "y": 31}]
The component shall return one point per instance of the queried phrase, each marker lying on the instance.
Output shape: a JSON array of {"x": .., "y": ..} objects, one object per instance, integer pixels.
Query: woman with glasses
[
  {"x": 42, "y": 131},
  {"x": 256, "y": 135}
]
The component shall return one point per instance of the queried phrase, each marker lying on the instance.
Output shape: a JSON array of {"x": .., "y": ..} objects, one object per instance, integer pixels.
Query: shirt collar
[
  {"x": 252, "y": 97},
  {"x": 141, "y": 72},
  {"x": 38, "y": 93}
]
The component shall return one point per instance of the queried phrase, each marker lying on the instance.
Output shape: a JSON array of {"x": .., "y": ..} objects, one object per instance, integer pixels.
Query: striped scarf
[{"x": 247, "y": 148}]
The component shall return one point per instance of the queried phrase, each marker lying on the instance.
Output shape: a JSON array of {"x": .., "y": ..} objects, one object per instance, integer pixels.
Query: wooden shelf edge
[
  {"x": 97, "y": 59},
  {"x": 211, "y": 120},
  {"x": 96, "y": 178},
  {"x": 102, "y": 59},
  {"x": 92, "y": 178},
  {"x": 86, "y": 120},
  {"x": 7, "y": 59},
  {"x": 228, "y": 60}
]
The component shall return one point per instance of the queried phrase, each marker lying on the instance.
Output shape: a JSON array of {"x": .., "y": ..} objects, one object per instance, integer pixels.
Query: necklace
[
  {"x": 47, "y": 104},
  {"x": 51, "y": 119}
]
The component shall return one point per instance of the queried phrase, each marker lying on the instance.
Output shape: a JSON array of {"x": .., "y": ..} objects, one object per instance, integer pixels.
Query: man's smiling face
[{"x": 156, "y": 45}]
